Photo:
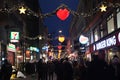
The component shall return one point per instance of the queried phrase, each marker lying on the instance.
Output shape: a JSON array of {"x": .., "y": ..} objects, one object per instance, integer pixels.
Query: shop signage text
[{"x": 108, "y": 42}]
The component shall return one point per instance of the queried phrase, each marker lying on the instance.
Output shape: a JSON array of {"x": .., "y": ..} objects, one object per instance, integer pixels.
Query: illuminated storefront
[
  {"x": 11, "y": 50},
  {"x": 110, "y": 45}
]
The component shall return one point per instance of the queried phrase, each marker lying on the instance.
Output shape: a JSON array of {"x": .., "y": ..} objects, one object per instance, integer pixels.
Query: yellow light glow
[
  {"x": 59, "y": 51},
  {"x": 22, "y": 10},
  {"x": 61, "y": 38},
  {"x": 59, "y": 55},
  {"x": 103, "y": 8}
]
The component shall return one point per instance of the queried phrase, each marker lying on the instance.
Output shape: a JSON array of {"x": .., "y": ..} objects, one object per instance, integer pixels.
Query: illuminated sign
[
  {"x": 11, "y": 47},
  {"x": 83, "y": 39},
  {"x": 106, "y": 43},
  {"x": 14, "y": 36},
  {"x": 113, "y": 40},
  {"x": 34, "y": 49}
]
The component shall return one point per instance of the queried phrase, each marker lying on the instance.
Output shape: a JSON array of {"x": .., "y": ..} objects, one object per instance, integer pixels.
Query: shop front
[
  {"x": 107, "y": 46},
  {"x": 11, "y": 50}
]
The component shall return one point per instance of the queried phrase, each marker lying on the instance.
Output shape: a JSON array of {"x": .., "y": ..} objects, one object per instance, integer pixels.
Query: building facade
[{"x": 102, "y": 28}]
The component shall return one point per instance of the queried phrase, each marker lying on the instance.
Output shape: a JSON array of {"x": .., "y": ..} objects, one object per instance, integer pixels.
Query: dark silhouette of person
[
  {"x": 59, "y": 69},
  {"x": 28, "y": 68},
  {"x": 97, "y": 69},
  {"x": 116, "y": 66},
  {"x": 51, "y": 69},
  {"x": 40, "y": 69},
  {"x": 76, "y": 70},
  {"x": 6, "y": 70},
  {"x": 68, "y": 70}
]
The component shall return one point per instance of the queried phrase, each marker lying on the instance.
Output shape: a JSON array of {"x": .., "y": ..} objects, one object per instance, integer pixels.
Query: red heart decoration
[
  {"x": 59, "y": 47},
  {"x": 63, "y": 14}
]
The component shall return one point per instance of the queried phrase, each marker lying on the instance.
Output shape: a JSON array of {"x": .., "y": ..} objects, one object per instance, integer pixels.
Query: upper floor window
[
  {"x": 96, "y": 34},
  {"x": 118, "y": 18},
  {"x": 101, "y": 31},
  {"x": 110, "y": 24}
]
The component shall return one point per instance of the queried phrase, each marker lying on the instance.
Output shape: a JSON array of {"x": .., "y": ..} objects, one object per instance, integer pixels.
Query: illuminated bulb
[
  {"x": 40, "y": 38},
  {"x": 60, "y": 31}
]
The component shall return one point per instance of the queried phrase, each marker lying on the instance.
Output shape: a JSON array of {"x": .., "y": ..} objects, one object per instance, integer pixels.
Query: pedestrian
[
  {"x": 116, "y": 66},
  {"x": 51, "y": 69},
  {"x": 68, "y": 70},
  {"x": 6, "y": 70}
]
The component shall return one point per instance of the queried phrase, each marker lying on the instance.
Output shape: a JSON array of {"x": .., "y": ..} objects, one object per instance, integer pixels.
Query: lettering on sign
[
  {"x": 111, "y": 41},
  {"x": 106, "y": 43}
]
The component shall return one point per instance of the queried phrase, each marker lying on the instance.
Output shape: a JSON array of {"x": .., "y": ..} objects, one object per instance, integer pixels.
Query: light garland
[
  {"x": 40, "y": 37},
  {"x": 74, "y": 13}
]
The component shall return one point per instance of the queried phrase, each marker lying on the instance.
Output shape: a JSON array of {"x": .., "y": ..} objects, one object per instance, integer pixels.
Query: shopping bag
[{"x": 20, "y": 75}]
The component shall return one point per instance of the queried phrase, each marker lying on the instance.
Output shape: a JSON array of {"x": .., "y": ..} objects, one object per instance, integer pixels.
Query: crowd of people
[{"x": 65, "y": 69}]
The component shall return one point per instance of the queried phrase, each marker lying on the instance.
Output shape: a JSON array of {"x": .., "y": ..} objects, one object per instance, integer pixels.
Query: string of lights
[
  {"x": 40, "y": 37},
  {"x": 28, "y": 11},
  {"x": 23, "y": 9}
]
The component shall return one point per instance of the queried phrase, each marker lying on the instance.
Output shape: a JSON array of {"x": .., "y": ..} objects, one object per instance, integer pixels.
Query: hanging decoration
[
  {"x": 22, "y": 10},
  {"x": 61, "y": 39},
  {"x": 62, "y": 11},
  {"x": 63, "y": 14},
  {"x": 103, "y": 8},
  {"x": 59, "y": 47}
]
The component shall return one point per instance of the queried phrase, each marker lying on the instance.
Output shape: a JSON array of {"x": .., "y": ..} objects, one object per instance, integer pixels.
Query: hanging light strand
[{"x": 74, "y": 13}]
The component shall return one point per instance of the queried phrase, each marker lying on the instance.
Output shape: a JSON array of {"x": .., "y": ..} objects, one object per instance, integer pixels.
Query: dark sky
[{"x": 53, "y": 23}]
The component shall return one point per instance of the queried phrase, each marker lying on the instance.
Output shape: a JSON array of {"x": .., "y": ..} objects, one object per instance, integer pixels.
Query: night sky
[{"x": 53, "y": 23}]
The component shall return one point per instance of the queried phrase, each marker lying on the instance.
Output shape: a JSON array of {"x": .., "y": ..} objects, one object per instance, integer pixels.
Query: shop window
[
  {"x": 110, "y": 24},
  {"x": 118, "y": 18},
  {"x": 103, "y": 28}
]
